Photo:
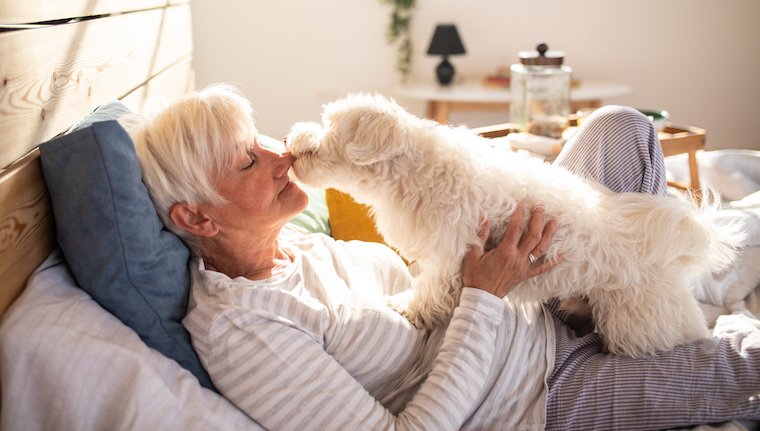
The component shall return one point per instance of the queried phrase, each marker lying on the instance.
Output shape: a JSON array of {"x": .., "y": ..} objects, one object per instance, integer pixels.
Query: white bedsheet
[
  {"x": 67, "y": 364},
  {"x": 736, "y": 175}
]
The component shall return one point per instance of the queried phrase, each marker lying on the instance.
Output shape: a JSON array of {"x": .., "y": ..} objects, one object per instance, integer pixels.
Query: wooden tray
[
  {"x": 679, "y": 139},
  {"x": 675, "y": 139}
]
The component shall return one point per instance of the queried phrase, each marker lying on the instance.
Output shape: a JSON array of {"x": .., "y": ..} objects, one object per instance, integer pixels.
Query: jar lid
[{"x": 542, "y": 56}]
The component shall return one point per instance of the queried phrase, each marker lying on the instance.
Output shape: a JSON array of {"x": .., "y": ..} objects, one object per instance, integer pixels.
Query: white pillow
[{"x": 67, "y": 364}]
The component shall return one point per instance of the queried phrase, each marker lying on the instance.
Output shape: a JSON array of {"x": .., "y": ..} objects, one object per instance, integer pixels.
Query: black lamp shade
[{"x": 446, "y": 41}]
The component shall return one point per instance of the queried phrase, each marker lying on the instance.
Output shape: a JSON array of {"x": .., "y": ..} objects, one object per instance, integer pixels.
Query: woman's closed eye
[{"x": 250, "y": 165}]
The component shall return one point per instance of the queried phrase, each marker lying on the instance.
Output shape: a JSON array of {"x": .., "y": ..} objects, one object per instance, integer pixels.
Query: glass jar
[{"x": 540, "y": 92}]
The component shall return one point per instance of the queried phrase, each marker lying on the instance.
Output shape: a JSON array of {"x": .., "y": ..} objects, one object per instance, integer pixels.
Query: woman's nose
[
  {"x": 277, "y": 157},
  {"x": 284, "y": 162}
]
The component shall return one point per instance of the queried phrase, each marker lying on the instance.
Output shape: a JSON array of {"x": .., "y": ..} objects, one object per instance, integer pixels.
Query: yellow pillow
[{"x": 350, "y": 219}]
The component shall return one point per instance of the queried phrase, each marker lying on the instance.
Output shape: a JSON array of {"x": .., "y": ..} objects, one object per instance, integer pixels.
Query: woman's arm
[{"x": 284, "y": 379}]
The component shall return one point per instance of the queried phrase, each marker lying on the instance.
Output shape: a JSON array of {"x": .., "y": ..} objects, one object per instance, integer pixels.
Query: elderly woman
[{"x": 293, "y": 329}]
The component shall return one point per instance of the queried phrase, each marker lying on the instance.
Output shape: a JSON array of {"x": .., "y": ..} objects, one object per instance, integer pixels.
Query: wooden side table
[
  {"x": 675, "y": 139},
  {"x": 441, "y": 101}
]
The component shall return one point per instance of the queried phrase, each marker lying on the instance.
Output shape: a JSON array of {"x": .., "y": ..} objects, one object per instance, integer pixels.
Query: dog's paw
[
  {"x": 400, "y": 304},
  {"x": 578, "y": 306}
]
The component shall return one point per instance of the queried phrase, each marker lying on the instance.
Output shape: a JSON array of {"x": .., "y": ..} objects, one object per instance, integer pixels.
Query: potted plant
[{"x": 398, "y": 33}]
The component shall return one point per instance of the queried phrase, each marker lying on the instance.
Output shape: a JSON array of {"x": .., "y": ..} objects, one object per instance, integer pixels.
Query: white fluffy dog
[{"x": 632, "y": 255}]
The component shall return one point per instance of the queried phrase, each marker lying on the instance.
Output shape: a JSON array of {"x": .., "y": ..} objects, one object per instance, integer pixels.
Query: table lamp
[{"x": 445, "y": 42}]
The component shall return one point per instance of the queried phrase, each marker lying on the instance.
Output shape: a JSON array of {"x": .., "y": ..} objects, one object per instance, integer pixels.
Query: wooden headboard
[{"x": 58, "y": 61}]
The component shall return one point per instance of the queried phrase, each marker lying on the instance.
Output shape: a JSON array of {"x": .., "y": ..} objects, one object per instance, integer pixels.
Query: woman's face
[{"x": 260, "y": 196}]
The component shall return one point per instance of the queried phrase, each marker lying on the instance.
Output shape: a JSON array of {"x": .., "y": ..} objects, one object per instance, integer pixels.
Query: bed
[{"x": 66, "y": 362}]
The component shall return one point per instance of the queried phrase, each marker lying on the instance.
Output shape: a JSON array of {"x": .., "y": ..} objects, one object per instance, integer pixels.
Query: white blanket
[{"x": 736, "y": 175}]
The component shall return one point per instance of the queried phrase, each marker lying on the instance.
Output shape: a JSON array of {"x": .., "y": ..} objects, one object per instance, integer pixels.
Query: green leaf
[{"x": 399, "y": 26}]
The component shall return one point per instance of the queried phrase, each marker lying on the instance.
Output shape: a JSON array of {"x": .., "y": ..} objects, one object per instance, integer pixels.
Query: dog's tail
[
  {"x": 686, "y": 232},
  {"x": 726, "y": 236}
]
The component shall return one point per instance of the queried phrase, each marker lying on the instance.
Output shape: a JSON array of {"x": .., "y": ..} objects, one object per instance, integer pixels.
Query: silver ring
[{"x": 532, "y": 258}]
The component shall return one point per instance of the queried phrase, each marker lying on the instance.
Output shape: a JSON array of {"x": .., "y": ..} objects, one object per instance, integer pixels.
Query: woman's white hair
[{"x": 183, "y": 147}]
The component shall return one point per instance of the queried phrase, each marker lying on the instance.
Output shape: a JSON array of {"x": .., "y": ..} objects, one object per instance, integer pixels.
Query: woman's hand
[{"x": 501, "y": 269}]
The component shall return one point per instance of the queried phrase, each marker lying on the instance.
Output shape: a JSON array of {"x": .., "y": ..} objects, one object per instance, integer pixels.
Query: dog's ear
[{"x": 379, "y": 136}]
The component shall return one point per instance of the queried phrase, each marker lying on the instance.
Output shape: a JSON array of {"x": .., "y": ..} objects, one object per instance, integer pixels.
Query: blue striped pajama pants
[{"x": 711, "y": 380}]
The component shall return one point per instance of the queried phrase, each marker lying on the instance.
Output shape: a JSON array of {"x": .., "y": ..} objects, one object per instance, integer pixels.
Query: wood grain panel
[
  {"x": 172, "y": 83},
  {"x": 27, "y": 228},
  {"x": 52, "y": 76},
  {"x": 32, "y": 11},
  {"x": 27, "y": 232}
]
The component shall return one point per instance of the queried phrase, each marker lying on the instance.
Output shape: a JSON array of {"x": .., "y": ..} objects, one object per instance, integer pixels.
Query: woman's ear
[{"x": 193, "y": 220}]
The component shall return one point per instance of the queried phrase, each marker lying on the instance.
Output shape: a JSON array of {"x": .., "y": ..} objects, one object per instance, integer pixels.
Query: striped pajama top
[{"x": 315, "y": 347}]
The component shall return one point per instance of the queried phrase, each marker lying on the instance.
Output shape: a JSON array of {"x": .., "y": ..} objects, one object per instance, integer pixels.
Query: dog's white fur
[{"x": 631, "y": 254}]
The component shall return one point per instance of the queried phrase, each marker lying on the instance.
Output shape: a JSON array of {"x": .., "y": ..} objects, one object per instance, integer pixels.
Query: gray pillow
[{"x": 112, "y": 238}]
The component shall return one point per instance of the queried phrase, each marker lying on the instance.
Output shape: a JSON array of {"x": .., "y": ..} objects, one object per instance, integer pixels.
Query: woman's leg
[
  {"x": 711, "y": 380},
  {"x": 618, "y": 147},
  {"x": 707, "y": 381}
]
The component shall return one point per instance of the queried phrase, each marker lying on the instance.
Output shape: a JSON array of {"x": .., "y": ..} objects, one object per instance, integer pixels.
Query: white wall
[{"x": 699, "y": 59}]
